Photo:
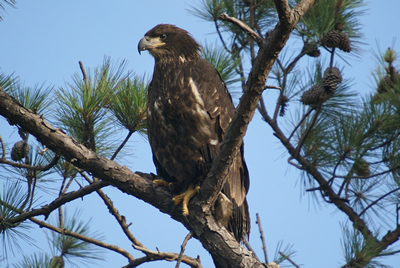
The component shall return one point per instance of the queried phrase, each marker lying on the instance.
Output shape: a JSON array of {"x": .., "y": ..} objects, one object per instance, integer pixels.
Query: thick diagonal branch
[
  {"x": 215, "y": 239},
  {"x": 255, "y": 85}
]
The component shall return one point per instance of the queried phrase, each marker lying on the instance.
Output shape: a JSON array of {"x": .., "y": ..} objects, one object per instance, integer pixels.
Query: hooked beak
[{"x": 148, "y": 43}]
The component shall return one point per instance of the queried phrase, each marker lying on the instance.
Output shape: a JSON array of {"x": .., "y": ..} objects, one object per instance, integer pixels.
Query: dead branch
[
  {"x": 264, "y": 247},
  {"x": 189, "y": 235},
  {"x": 47, "y": 209},
  {"x": 159, "y": 255},
  {"x": 259, "y": 40},
  {"x": 83, "y": 238}
]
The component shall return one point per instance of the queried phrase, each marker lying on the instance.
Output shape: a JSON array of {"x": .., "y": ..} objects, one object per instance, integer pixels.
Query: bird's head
[{"x": 166, "y": 41}]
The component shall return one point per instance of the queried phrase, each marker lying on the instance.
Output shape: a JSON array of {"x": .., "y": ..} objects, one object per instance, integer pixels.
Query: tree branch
[
  {"x": 255, "y": 85},
  {"x": 47, "y": 209},
  {"x": 158, "y": 255},
  {"x": 84, "y": 238},
  {"x": 178, "y": 261},
  {"x": 216, "y": 239},
  {"x": 264, "y": 247},
  {"x": 244, "y": 26}
]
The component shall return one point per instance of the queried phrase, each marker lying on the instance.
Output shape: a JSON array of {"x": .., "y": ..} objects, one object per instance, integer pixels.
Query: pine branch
[
  {"x": 3, "y": 160},
  {"x": 255, "y": 85},
  {"x": 259, "y": 40},
  {"x": 83, "y": 238},
  {"x": 122, "y": 145},
  {"x": 47, "y": 209},
  {"x": 215, "y": 239},
  {"x": 264, "y": 247},
  {"x": 289, "y": 259},
  {"x": 218, "y": 241},
  {"x": 158, "y": 255},
  {"x": 189, "y": 235}
]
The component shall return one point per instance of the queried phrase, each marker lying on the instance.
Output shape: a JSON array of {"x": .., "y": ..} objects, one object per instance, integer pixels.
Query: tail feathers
[{"x": 239, "y": 223}]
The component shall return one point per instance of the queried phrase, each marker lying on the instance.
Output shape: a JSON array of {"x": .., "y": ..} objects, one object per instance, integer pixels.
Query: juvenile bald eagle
[{"x": 188, "y": 111}]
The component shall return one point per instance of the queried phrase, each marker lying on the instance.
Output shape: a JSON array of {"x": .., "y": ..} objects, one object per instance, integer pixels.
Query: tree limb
[
  {"x": 83, "y": 238},
  {"x": 215, "y": 239},
  {"x": 244, "y": 26},
  {"x": 159, "y": 255}
]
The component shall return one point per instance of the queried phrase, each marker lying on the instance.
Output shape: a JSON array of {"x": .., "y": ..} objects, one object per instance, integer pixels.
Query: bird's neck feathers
[{"x": 174, "y": 59}]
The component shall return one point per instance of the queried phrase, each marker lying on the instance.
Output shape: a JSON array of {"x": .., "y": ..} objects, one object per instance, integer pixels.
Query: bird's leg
[
  {"x": 185, "y": 198},
  {"x": 158, "y": 182}
]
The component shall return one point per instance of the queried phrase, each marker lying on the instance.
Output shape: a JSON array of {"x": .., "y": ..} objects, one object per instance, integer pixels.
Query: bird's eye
[{"x": 163, "y": 36}]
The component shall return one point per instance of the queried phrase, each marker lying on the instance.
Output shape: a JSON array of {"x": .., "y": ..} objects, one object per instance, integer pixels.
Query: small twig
[
  {"x": 3, "y": 156},
  {"x": 178, "y": 261},
  {"x": 43, "y": 151},
  {"x": 290, "y": 260},
  {"x": 68, "y": 184},
  {"x": 261, "y": 108},
  {"x": 122, "y": 144},
  {"x": 111, "y": 208},
  {"x": 274, "y": 87},
  {"x": 264, "y": 247},
  {"x": 259, "y": 40},
  {"x": 332, "y": 57},
  {"x": 84, "y": 74},
  {"x": 294, "y": 164},
  {"x": 377, "y": 200},
  {"x": 220, "y": 37},
  {"x": 159, "y": 255},
  {"x": 248, "y": 246},
  {"x": 83, "y": 238},
  {"x": 308, "y": 131},
  {"x": 40, "y": 168},
  {"x": 47, "y": 209},
  {"x": 300, "y": 123}
]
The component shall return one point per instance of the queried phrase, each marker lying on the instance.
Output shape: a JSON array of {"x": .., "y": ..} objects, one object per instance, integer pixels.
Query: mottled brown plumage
[{"x": 189, "y": 110}]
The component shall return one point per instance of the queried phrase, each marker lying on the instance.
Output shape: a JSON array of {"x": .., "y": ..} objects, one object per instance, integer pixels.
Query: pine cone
[
  {"x": 315, "y": 53},
  {"x": 339, "y": 26},
  {"x": 332, "y": 39},
  {"x": 344, "y": 43},
  {"x": 311, "y": 49},
  {"x": 331, "y": 79},
  {"x": 312, "y": 96},
  {"x": 283, "y": 103},
  {"x": 19, "y": 150},
  {"x": 361, "y": 168},
  {"x": 384, "y": 84}
]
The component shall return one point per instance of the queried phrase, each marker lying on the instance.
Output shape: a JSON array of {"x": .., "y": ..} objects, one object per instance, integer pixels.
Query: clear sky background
[{"x": 42, "y": 42}]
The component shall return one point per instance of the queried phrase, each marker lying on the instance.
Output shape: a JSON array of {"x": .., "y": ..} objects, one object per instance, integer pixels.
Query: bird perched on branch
[{"x": 188, "y": 111}]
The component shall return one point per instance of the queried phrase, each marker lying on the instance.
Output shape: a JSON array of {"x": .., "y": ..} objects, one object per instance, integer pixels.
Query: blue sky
[{"x": 42, "y": 42}]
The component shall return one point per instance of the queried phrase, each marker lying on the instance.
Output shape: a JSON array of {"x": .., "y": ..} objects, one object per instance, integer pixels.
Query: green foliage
[
  {"x": 283, "y": 253},
  {"x": 319, "y": 19},
  {"x": 129, "y": 104},
  {"x": 3, "y": 4},
  {"x": 36, "y": 99},
  {"x": 8, "y": 82},
  {"x": 36, "y": 260},
  {"x": 259, "y": 15},
  {"x": 360, "y": 252},
  {"x": 82, "y": 107},
  {"x": 12, "y": 200},
  {"x": 73, "y": 249},
  {"x": 225, "y": 63}
]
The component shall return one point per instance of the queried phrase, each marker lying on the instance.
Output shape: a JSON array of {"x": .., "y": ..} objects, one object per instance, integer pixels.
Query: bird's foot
[
  {"x": 158, "y": 183},
  {"x": 185, "y": 198}
]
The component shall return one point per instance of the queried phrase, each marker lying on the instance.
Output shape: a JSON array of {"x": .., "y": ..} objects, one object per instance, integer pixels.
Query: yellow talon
[
  {"x": 157, "y": 183},
  {"x": 185, "y": 198}
]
